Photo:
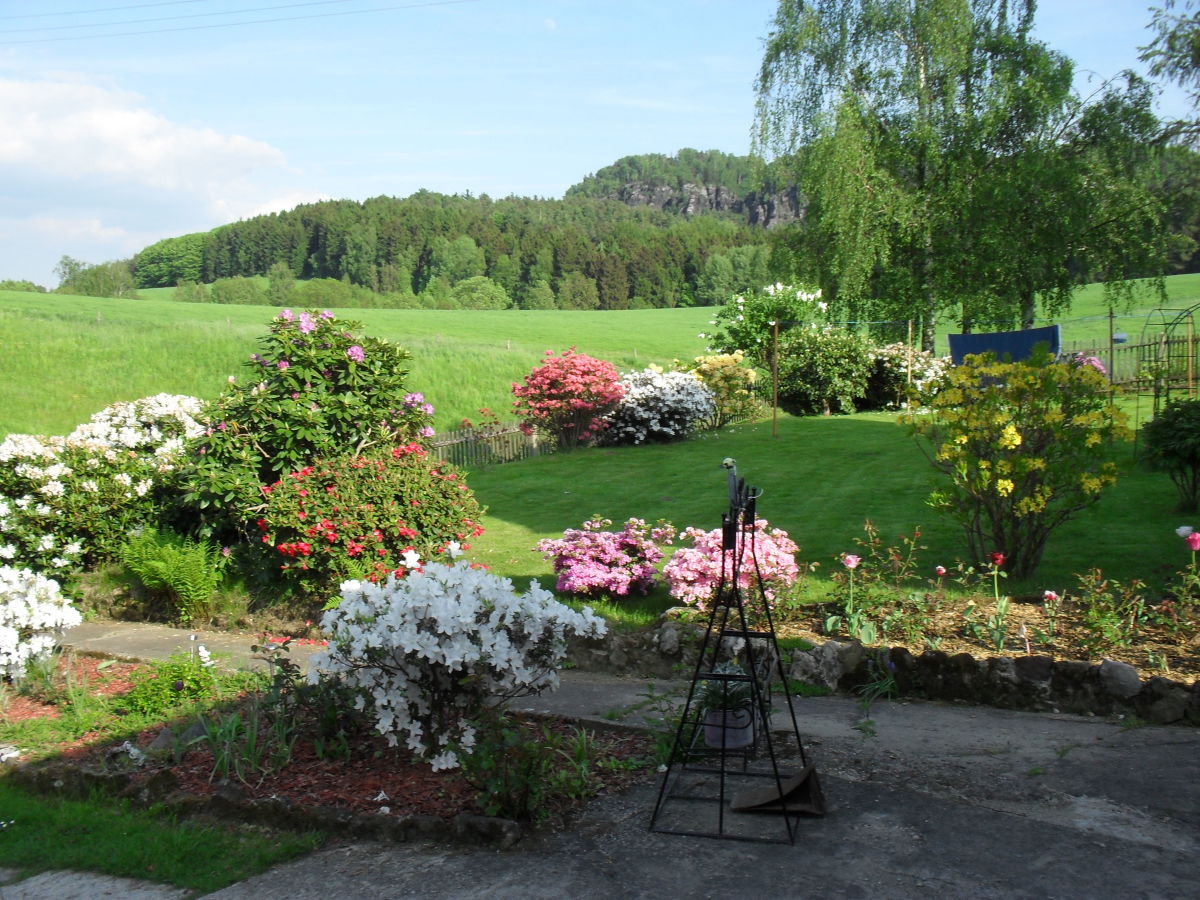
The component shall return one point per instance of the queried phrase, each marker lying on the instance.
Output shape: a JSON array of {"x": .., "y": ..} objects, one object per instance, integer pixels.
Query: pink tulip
[
  {"x": 850, "y": 561},
  {"x": 1193, "y": 541},
  {"x": 939, "y": 571}
]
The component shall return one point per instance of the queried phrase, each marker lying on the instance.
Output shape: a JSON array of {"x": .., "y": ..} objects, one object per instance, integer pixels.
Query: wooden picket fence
[
  {"x": 486, "y": 446},
  {"x": 1160, "y": 362}
]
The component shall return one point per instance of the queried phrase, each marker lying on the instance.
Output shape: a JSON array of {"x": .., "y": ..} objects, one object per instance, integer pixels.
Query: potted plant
[{"x": 727, "y": 704}]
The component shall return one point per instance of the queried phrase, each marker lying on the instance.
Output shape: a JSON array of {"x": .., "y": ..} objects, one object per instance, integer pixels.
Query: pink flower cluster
[
  {"x": 693, "y": 573},
  {"x": 593, "y": 562},
  {"x": 568, "y": 396}
]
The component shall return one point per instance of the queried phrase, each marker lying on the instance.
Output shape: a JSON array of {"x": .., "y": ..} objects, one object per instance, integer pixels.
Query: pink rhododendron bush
[
  {"x": 430, "y": 653},
  {"x": 567, "y": 397},
  {"x": 593, "y": 562},
  {"x": 693, "y": 573}
]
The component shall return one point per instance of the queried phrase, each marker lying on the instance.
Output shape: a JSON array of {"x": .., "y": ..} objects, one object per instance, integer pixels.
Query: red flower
[{"x": 997, "y": 559}]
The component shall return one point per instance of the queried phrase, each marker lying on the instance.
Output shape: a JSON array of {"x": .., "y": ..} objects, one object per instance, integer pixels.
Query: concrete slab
[{"x": 87, "y": 886}]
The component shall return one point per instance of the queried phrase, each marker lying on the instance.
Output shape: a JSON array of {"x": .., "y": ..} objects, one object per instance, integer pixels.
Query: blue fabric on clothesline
[{"x": 1017, "y": 345}]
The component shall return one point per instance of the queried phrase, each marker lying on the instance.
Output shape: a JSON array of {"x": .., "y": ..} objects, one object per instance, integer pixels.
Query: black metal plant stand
[{"x": 730, "y": 774}]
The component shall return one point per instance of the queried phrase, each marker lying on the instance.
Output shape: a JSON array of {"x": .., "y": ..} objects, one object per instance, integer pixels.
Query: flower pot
[{"x": 729, "y": 729}]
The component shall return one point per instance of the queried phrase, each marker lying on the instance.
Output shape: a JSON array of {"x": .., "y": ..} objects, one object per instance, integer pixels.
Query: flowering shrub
[
  {"x": 429, "y": 653},
  {"x": 823, "y": 370},
  {"x": 658, "y": 406},
  {"x": 567, "y": 397},
  {"x": 694, "y": 573},
  {"x": 317, "y": 389},
  {"x": 365, "y": 516},
  {"x": 897, "y": 370},
  {"x": 593, "y": 562},
  {"x": 1087, "y": 359},
  {"x": 748, "y": 323},
  {"x": 732, "y": 386},
  {"x": 1024, "y": 446},
  {"x": 33, "y": 615},
  {"x": 70, "y": 501}
]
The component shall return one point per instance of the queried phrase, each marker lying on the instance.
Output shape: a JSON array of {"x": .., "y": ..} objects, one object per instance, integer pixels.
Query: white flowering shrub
[
  {"x": 67, "y": 501},
  {"x": 33, "y": 615},
  {"x": 899, "y": 369},
  {"x": 658, "y": 406},
  {"x": 428, "y": 653}
]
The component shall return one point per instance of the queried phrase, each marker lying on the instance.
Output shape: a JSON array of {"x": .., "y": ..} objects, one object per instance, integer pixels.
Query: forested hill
[
  {"x": 443, "y": 251},
  {"x": 691, "y": 183}
]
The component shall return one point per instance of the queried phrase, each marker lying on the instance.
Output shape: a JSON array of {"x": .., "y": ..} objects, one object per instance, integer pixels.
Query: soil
[
  {"x": 367, "y": 777},
  {"x": 1154, "y": 648}
]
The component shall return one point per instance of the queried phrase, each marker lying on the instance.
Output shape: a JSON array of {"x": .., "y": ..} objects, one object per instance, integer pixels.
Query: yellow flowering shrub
[
  {"x": 732, "y": 382},
  {"x": 1023, "y": 446}
]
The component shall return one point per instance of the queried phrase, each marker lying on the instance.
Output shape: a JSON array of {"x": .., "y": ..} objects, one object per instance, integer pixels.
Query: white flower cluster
[
  {"x": 164, "y": 420},
  {"x": 927, "y": 370},
  {"x": 429, "y": 652},
  {"x": 33, "y": 615},
  {"x": 114, "y": 460},
  {"x": 659, "y": 406}
]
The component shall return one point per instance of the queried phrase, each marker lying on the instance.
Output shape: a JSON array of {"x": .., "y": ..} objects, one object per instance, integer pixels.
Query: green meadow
[{"x": 67, "y": 357}]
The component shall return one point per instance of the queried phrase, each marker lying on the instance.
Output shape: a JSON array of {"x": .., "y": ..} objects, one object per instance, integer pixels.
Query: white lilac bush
[
  {"x": 430, "y": 652},
  {"x": 695, "y": 572},
  {"x": 659, "y": 406},
  {"x": 66, "y": 501},
  {"x": 33, "y": 615},
  {"x": 591, "y": 561}
]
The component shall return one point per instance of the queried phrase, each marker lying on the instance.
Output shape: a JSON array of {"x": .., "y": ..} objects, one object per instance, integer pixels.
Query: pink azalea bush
[
  {"x": 591, "y": 561},
  {"x": 693, "y": 573},
  {"x": 567, "y": 397}
]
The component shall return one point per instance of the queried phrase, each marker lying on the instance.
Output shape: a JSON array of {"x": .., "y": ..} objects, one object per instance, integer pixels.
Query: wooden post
[
  {"x": 1191, "y": 352},
  {"x": 1112, "y": 355},
  {"x": 775, "y": 379}
]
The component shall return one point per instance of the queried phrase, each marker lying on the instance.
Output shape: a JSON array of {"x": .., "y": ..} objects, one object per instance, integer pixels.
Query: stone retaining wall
[{"x": 1036, "y": 683}]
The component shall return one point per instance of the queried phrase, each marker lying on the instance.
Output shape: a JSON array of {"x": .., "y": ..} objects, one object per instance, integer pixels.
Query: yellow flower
[
  {"x": 1010, "y": 438},
  {"x": 961, "y": 439},
  {"x": 1004, "y": 487}
]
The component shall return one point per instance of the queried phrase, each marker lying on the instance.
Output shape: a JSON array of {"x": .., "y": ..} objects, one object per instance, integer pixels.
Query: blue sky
[{"x": 182, "y": 115}]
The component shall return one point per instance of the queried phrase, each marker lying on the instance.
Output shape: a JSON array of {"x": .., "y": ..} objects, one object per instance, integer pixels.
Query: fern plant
[{"x": 188, "y": 572}]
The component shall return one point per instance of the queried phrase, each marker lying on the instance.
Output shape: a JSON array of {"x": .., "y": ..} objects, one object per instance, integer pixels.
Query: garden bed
[{"x": 366, "y": 788}]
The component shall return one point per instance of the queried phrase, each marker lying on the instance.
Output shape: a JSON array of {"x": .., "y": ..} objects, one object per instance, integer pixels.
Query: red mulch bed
[{"x": 373, "y": 772}]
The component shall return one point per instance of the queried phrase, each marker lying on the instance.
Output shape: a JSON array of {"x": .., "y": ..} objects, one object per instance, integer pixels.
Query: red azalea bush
[
  {"x": 365, "y": 516},
  {"x": 567, "y": 397},
  {"x": 694, "y": 572}
]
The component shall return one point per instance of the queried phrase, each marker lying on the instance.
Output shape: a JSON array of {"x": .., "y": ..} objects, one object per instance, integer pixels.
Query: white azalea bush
[
  {"x": 659, "y": 406},
  {"x": 67, "y": 501},
  {"x": 33, "y": 615},
  {"x": 899, "y": 369},
  {"x": 429, "y": 653}
]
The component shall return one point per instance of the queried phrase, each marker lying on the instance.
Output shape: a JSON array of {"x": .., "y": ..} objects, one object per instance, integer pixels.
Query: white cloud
[
  {"x": 94, "y": 172},
  {"x": 230, "y": 209},
  {"x": 69, "y": 129}
]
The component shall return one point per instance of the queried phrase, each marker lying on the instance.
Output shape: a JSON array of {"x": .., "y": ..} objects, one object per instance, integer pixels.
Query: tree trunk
[{"x": 1028, "y": 308}]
